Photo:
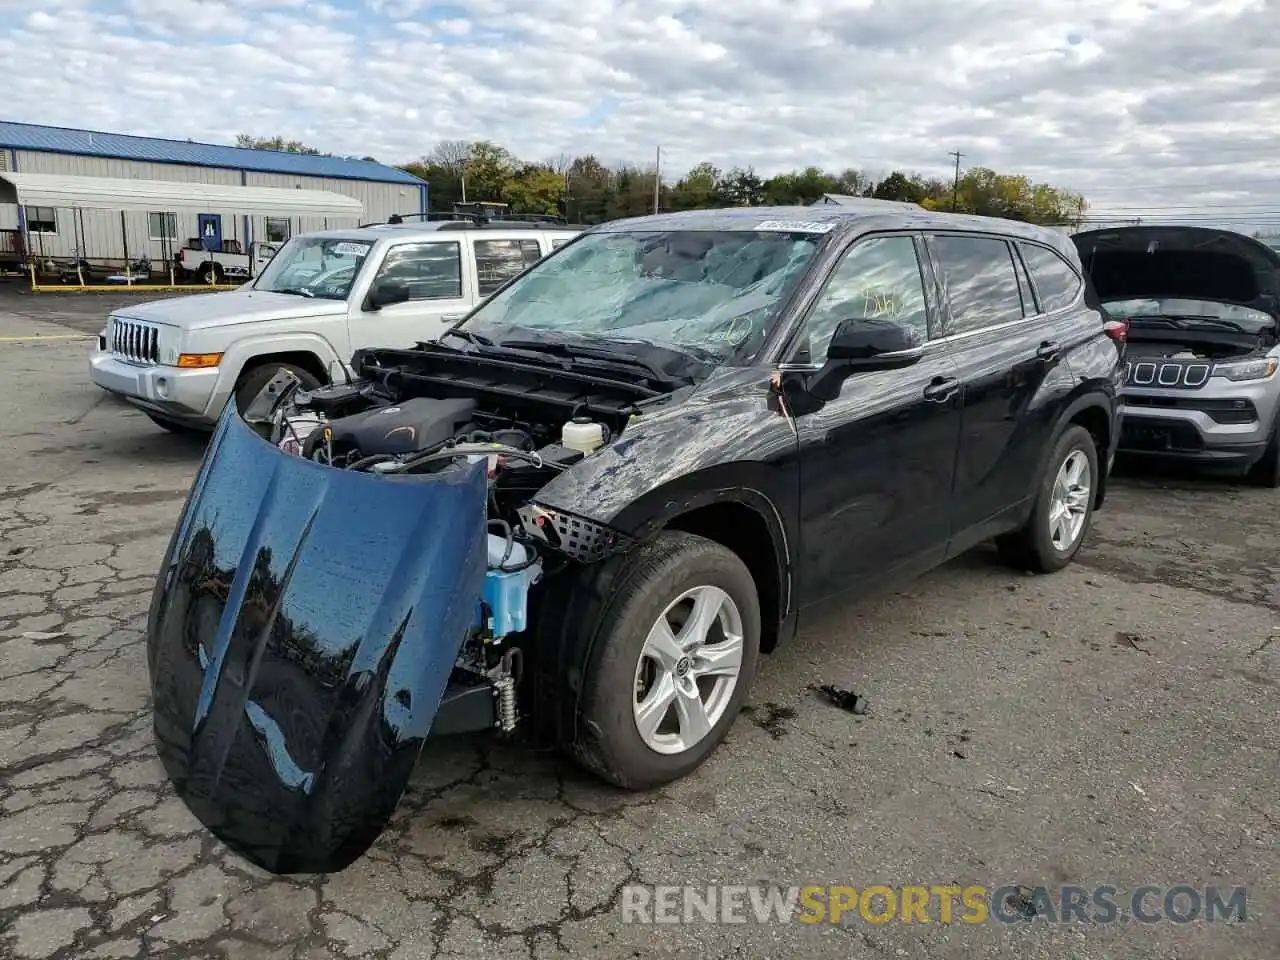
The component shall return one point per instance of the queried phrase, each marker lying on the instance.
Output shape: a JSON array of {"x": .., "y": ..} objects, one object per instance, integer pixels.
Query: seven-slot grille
[
  {"x": 1170, "y": 373},
  {"x": 135, "y": 341}
]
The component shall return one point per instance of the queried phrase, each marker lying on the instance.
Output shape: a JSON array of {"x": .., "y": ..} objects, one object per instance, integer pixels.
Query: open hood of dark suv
[{"x": 1193, "y": 263}]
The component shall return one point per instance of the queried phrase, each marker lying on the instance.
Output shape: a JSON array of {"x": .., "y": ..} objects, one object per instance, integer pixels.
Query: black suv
[{"x": 590, "y": 507}]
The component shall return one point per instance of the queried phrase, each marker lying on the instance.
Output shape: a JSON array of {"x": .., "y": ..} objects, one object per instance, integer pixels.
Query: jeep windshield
[
  {"x": 1188, "y": 314},
  {"x": 706, "y": 293},
  {"x": 320, "y": 267}
]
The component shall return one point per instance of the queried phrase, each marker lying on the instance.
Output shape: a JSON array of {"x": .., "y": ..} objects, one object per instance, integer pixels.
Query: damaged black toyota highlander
[{"x": 587, "y": 510}]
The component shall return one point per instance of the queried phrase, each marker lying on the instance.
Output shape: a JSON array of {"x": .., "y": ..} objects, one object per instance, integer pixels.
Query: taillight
[{"x": 1117, "y": 330}]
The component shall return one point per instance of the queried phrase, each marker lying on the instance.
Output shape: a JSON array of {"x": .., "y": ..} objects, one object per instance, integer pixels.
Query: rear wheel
[
  {"x": 211, "y": 273},
  {"x": 674, "y": 656},
  {"x": 1063, "y": 509}
]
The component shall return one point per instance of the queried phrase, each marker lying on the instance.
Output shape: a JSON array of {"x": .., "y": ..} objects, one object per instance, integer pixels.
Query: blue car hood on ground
[{"x": 302, "y": 631}]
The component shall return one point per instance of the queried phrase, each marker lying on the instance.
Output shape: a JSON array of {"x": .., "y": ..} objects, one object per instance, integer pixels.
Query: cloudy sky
[{"x": 1152, "y": 105}]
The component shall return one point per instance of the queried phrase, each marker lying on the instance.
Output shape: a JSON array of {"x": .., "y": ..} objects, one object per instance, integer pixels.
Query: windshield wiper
[
  {"x": 592, "y": 353},
  {"x": 297, "y": 292},
  {"x": 469, "y": 337},
  {"x": 1186, "y": 321}
]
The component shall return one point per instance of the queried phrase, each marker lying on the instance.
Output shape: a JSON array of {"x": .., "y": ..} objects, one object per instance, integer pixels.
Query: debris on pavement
[
  {"x": 844, "y": 699},
  {"x": 1133, "y": 640},
  {"x": 40, "y": 635}
]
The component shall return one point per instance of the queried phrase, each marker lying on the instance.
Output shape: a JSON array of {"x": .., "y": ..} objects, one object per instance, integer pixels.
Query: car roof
[
  {"x": 865, "y": 216},
  {"x": 432, "y": 230}
]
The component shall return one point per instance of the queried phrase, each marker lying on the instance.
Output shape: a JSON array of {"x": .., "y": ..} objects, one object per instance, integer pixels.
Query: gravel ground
[{"x": 1112, "y": 725}]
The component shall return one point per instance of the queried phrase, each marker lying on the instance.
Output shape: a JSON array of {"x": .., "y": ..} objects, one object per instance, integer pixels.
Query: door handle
[
  {"x": 1048, "y": 350},
  {"x": 941, "y": 389}
]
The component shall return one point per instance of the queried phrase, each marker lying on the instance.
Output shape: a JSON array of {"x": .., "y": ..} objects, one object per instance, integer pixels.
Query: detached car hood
[
  {"x": 303, "y": 628},
  {"x": 1192, "y": 263},
  {"x": 192, "y": 312}
]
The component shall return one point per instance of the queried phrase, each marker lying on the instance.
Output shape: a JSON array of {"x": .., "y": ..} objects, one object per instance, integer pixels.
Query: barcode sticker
[{"x": 348, "y": 249}]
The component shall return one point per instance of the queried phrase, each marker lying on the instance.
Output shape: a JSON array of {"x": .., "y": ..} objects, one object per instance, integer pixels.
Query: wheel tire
[
  {"x": 1032, "y": 547},
  {"x": 1266, "y": 472},
  {"x": 210, "y": 273},
  {"x": 608, "y": 742},
  {"x": 173, "y": 426},
  {"x": 255, "y": 377}
]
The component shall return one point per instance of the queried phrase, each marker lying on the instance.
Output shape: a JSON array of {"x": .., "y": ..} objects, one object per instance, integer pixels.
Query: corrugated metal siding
[
  {"x": 103, "y": 235},
  {"x": 380, "y": 200},
  {"x": 27, "y": 136}
]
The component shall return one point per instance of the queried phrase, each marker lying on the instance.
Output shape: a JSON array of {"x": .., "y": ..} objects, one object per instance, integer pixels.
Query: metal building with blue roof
[{"x": 71, "y": 165}]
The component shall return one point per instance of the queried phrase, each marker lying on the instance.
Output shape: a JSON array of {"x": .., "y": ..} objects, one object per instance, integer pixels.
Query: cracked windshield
[{"x": 707, "y": 291}]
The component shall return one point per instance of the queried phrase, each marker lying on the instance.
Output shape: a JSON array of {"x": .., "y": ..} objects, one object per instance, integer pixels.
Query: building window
[
  {"x": 41, "y": 220},
  {"x": 162, "y": 226},
  {"x": 277, "y": 230}
]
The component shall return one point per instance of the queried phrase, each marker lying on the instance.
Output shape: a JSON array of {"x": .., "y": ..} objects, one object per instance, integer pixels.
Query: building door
[{"x": 211, "y": 231}]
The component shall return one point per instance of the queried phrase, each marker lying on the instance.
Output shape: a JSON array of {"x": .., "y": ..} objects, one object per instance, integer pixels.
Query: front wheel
[
  {"x": 1266, "y": 472},
  {"x": 256, "y": 377},
  {"x": 1063, "y": 509},
  {"x": 674, "y": 656}
]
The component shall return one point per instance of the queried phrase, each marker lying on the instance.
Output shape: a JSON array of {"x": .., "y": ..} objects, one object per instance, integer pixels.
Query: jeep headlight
[{"x": 1247, "y": 369}]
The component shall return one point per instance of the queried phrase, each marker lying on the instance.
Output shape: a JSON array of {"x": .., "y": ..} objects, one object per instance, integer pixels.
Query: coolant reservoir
[{"x": 582, "y": 434}]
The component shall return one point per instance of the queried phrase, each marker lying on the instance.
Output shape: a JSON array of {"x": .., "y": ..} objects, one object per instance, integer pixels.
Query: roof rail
[
  {"x": 471, "y": 221},
  {"x": 500, "y": 224}
]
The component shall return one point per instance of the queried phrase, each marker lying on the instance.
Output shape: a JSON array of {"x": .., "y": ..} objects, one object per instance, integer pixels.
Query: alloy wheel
[
  {"x": 1069, "y": 502},
  {"x": 688, "y": 670}
]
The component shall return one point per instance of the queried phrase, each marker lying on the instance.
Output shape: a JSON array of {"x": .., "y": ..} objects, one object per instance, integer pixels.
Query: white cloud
[{"x": 1131, "y": 101}]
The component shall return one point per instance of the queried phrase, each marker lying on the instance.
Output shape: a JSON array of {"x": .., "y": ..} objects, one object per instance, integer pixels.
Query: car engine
[{"x": 407, "y": 418}]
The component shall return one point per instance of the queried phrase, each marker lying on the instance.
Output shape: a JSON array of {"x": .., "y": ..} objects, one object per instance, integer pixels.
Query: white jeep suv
[{"x": 323, "y": 296}]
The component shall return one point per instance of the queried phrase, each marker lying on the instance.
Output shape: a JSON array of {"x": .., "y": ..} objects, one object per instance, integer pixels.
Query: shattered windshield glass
[
  {"x": 321, "y": 267},
  {"x": 712, "y": 291}
]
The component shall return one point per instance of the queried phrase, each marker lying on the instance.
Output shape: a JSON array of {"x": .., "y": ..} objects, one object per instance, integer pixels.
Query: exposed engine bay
[{"x": 430, "y": 410}]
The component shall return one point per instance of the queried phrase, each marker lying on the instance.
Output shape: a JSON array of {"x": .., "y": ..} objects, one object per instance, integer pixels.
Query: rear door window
[
  {"x": 980, "y": 282},
  {"x": 497, "y": 261},
  {"x": 1057, "y": 283}
]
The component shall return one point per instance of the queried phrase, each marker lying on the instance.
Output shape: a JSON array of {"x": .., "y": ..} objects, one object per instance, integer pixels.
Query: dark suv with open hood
[
  {"x": 588, "y": 510},
  {"x": 1203, "y": 312}
]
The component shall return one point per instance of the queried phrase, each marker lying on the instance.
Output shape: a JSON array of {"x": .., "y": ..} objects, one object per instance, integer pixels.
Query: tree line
[{"x": 585, "y": 190}]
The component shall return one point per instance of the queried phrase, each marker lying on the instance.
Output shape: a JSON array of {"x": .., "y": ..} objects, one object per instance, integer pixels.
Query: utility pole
[
  {"x": 657, "y": 179},
  {"x": 955, "y": 187}
]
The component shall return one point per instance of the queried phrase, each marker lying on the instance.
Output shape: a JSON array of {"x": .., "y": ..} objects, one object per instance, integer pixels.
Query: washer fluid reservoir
[{"x": 582, "y": 434}]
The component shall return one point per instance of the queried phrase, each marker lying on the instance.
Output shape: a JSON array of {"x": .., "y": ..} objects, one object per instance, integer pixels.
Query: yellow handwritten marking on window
[
  {"x": 739, "y": 330},
  {"x": 880, "y": 303}
]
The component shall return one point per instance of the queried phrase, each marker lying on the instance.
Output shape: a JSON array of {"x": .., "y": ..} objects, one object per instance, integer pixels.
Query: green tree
[
  {"x": 534, "y": 189},
  {"x": 250, "y": 142},
  {"x": 698, "y": 188}
]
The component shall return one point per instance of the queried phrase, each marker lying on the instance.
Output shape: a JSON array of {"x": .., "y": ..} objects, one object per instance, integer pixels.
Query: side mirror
[
  {"x": 388, "y": 293},
  {"x": 861, "y": 344}
]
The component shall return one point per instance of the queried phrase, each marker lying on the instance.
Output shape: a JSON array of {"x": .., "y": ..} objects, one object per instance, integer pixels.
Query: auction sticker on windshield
[
  {"x": 796, "y": 226},
  {"x": 349, "y": 249}
]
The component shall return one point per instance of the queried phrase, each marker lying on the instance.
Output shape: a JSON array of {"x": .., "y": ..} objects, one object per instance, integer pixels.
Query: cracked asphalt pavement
[{"x": 1115, "y": 724}]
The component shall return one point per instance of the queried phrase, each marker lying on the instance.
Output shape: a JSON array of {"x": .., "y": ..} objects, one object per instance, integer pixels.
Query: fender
[
  {"x": 1105, "y": 404},
  {"x": 244, "y": 350},
  {"x": 564, "y": 649}
]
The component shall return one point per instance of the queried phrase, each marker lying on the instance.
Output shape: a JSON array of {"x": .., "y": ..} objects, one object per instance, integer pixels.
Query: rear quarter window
[{"x": 1056, "y": 281}]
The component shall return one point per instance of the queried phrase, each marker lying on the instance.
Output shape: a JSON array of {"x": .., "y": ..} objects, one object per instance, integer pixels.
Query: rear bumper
[{"x": 185, "y": 396}]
